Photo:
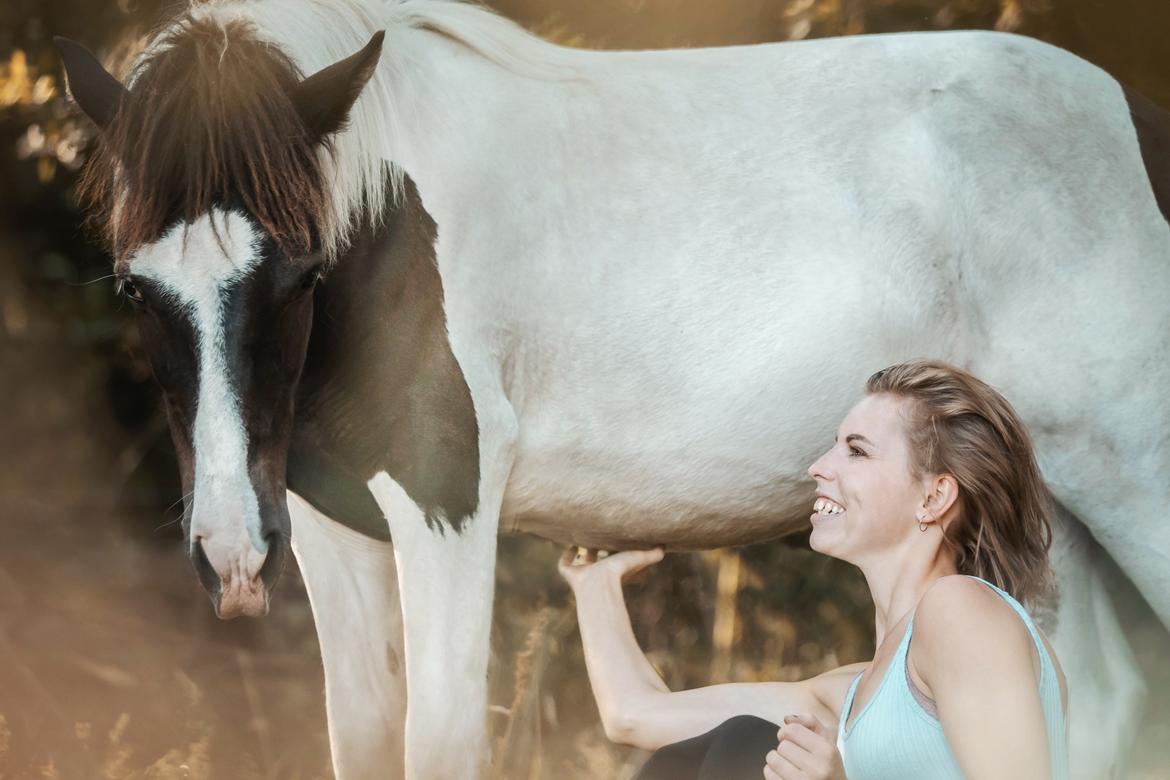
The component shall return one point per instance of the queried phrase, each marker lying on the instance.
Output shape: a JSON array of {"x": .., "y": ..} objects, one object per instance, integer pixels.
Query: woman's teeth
[{"x": 824, "y": 506}]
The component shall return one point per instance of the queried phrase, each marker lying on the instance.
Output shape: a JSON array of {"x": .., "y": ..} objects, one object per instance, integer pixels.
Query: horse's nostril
[
  {"x": 273, "y": 560},
  {"x": 208, "y": 577}
]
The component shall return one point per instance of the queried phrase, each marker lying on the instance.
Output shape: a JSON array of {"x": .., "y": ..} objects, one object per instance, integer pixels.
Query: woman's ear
[{"x": 943, "y": 493}]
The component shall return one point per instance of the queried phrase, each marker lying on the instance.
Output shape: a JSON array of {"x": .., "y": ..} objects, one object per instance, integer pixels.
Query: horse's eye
[
  {"x": 130, "y": 290},
  {"x": 310, "y": 279}
]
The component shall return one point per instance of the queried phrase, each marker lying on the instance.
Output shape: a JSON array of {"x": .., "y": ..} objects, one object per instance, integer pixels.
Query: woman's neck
[{"x": 898, "y": 581}]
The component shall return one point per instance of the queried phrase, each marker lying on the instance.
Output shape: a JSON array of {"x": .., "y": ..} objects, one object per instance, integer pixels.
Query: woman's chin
[{"x": 825, "y": 533}]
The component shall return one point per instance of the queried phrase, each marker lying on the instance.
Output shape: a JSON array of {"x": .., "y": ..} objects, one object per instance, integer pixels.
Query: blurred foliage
[{"x": 142, "y": 698}]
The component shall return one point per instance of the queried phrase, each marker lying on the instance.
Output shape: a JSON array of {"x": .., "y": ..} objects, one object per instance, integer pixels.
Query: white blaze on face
[{"x": 198, "y": 265}]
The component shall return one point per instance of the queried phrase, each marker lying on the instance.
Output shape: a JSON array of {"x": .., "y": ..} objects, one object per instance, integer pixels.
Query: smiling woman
[{"x": 931, "y": 477}]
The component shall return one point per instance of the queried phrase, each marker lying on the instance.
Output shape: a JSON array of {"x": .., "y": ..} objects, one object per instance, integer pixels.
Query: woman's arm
[
  {"x": 976, "y": 655},
  {"x": 636, "y": 706}
]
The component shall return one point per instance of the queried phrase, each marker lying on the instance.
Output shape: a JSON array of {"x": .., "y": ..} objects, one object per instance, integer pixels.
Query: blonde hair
[{"x": 959, "y": 425}]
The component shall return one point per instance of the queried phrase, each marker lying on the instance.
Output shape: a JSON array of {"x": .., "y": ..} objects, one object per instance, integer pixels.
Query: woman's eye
[
  {"x": 856, "y": 453},
  {"x": 130, "y": 290}
]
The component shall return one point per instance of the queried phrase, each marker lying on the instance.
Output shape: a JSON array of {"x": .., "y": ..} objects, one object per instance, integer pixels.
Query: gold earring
[{"x": 921, "y": 524}]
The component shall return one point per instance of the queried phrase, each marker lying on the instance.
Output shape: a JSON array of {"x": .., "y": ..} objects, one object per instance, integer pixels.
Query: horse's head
[{"x": 209, "y": 184}]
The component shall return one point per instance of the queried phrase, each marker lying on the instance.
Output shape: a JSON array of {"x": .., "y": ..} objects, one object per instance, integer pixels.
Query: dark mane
[{"x": 208, "y": 122}]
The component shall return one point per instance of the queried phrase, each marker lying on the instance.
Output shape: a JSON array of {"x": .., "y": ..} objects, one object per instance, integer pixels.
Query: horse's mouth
[{"x": 237, "y": 598}]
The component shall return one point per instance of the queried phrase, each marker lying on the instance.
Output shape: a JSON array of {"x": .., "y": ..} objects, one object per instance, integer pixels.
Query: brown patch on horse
[
  {"x": 1152, "y": 123},
  {"x": 209, "y": 120},
  {"x": 381, "y": 389}
]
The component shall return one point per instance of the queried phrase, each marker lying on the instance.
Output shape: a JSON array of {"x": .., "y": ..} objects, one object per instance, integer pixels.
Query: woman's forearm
[
  {"x": 636, "y": 706},
  {"x": 622, "y": 678}
]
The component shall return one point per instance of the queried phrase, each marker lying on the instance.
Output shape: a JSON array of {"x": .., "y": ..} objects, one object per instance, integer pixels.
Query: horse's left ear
[
  {"x": 97, "y": 92},
  {"x": 324, "y": 99}
]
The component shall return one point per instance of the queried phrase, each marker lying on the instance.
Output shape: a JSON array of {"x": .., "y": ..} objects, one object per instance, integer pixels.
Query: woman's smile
[{"x": 825, "y": 507}]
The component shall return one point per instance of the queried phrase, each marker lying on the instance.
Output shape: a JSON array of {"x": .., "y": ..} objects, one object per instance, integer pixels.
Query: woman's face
[{"x": 867, "y": 500}]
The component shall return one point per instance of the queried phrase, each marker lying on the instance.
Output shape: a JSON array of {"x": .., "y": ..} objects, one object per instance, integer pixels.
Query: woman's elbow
[
  {"x": 628, "y": 726},
  {"x": 619, "y": 730}
]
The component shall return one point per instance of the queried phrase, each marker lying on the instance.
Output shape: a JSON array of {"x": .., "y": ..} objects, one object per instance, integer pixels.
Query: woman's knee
[
  {"x": 742, "y": 725},
  {"x": 728, "y": 750},
  {"x": 738, "y": 747}
]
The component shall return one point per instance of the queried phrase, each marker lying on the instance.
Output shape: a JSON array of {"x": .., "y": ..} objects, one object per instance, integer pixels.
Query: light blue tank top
[{"x": 895, "y": 738}]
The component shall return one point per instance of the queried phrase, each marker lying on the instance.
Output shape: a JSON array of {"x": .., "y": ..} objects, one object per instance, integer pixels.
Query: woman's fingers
[
  {"x": 817, "y": 755},
  {"x": 809, "y": 721},
  {"x": 579, "y": 556},
  {"x": 801, "y": 758},
  {"x": 803, "y": 737},
  {"x": 782, "y": 766},
  {"x": 566, "y": 560},
  {"x": 624, "y": 563}
]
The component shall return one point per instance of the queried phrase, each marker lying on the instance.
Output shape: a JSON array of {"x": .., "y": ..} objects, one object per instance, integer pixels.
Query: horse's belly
[
  {"x": 637, "y": 488},
  {"x": 623, "y": 528},
  {"x": 693, "y": 437}
]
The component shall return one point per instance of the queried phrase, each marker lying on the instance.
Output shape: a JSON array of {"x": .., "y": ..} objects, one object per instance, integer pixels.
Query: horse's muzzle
[{"x": 234, "y": 593}]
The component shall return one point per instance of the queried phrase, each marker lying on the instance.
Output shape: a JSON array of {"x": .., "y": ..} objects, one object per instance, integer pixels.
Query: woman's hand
[
  {"x": 591, "y": 569},
  {"x": 807, "y": 750}
]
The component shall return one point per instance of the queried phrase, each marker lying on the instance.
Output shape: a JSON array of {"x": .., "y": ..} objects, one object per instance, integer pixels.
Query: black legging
[{"x": 733, "y": 750}]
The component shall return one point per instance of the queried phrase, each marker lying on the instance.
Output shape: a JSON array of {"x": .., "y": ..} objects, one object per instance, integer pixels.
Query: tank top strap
[
  {"x": 1045, "y": 661},
  {"x": 845, "y": 710},
  {"x": 848, "y": 705}
]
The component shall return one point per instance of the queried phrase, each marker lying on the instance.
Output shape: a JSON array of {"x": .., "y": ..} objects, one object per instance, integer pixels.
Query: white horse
[{"x": 623, "y": 298}]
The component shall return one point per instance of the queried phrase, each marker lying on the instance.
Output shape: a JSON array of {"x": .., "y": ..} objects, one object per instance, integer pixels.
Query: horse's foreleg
[
  {"x": 447, "y": 578},
  {"x": 1106, "y": 689},
  {"x": 353, "y": 589}
]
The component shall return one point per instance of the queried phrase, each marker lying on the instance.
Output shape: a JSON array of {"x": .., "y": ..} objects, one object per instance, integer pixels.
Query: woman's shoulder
[
  {"x": 962, "y": 617},
  {"x": 830, "y": 688}
]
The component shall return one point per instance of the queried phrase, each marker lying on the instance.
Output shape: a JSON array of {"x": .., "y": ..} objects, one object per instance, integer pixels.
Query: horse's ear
[
  {"x": 97, "y": 92},
  {"x": 324, "y": 99}
]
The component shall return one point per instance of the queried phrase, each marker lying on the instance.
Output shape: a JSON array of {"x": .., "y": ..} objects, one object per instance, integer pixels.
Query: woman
[{"x": 931, "y": 477}]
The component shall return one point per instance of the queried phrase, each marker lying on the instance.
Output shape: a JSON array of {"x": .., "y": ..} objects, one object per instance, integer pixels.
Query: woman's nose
[{"x": 818, "y": 469}]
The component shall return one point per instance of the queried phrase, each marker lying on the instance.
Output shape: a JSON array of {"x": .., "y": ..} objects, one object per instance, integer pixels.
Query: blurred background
[{"x": 112, "y": 664}]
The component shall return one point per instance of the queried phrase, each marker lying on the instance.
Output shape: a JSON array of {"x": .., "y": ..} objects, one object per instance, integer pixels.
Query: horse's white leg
[
  {"x": 1109, "y": 468},
  {"x": 1106, "y": 689},
  {"x": 447, "y": 581},
  {"x": 353, "y": 589}
]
